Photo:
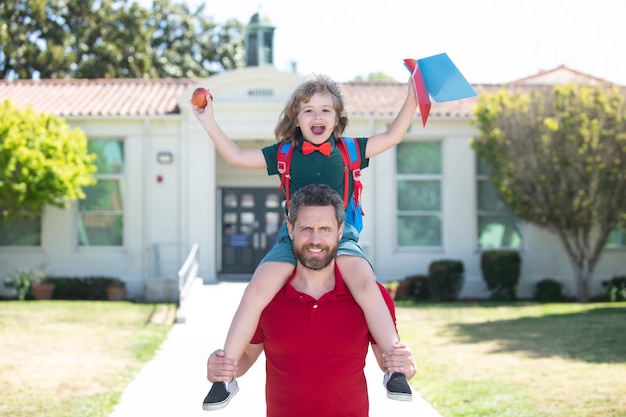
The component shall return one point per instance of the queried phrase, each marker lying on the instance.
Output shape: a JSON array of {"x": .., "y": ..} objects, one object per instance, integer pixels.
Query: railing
[
  {"x": 186, "y": 276},
  {"x": 165, "y": 258}
]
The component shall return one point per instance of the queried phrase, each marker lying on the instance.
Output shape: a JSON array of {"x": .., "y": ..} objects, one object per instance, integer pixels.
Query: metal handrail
[{"x": 186, "y": 276}]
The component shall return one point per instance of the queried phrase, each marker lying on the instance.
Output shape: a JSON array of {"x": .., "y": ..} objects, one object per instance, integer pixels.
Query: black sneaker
[
  {"x": 220, "y": 395},
  {"x": 397, "y": 387}
]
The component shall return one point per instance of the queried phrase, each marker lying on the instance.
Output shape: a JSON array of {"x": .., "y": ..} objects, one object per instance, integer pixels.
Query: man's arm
[
  {"x": 399, "y": 359},
  {"x": 222, "y": 369}
]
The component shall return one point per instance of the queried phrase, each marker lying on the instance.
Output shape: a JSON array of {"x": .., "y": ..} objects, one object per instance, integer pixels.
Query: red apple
[{"x": 199, "y": 97}]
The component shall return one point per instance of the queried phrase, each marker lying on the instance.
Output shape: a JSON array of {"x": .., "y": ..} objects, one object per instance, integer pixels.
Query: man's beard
[{"x": 316, "y": 263}]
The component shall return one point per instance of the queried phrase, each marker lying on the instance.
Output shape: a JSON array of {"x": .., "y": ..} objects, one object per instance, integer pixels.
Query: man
[{"x": 314, "y": 328}]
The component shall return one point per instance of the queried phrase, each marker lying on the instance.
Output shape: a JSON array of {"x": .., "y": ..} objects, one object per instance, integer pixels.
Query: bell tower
[{"x": 259, "y": 42}]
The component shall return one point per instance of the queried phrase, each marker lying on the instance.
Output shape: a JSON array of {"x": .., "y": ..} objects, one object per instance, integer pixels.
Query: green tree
[
  {"x": 558, "y": 159},
  {"x": 376, "y": 76},
  {"x": 107, "y": 41},
  {"x": 19, "y": 26},
  {"x": 187, "y": 43},
  {"x": 42, "y": 162},
  {"x": 113, "y": 39},
  {"x": 74, "y": 38}
]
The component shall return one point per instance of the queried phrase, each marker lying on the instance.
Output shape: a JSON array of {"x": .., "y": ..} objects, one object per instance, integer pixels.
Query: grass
[
  {"x": 74, "y": 358},
  {"x": 519, "y": 360}
]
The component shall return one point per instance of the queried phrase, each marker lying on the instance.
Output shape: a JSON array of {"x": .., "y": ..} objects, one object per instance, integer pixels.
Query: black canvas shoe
[
  {"x": 397, "y": 387},
  {"x": 220, "y": 395}
]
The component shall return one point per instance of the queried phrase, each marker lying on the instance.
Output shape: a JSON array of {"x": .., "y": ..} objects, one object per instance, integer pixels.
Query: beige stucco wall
[{"x": 181, "y": 208}]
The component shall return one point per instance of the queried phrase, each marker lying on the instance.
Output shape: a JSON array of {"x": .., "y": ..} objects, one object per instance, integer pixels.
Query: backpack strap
[
  {"x": 285, "y": 149},
  {"x": 351, "y": 154},
  {"x": 352, "y": 158}
]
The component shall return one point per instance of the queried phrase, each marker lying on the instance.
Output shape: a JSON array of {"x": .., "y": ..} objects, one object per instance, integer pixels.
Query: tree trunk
[
  {"x": 585, "y": 261},
  {"x": 583, "y": 271}
]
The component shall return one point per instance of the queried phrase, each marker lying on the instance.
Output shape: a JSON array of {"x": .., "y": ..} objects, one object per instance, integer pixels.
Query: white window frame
[{"x": 420, "y": 213}]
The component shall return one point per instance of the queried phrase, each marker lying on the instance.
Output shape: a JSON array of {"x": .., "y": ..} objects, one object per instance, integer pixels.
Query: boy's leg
[
  {"x": 358, "y": 275},
  {"x": 267, "y": 280},
  {"x": 360, "y": 279}
]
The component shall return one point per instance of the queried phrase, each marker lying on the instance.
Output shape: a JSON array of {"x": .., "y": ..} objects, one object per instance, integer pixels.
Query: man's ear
[
  {"x": 340, "y": 231},
  {"x": 290, "y": 230}
]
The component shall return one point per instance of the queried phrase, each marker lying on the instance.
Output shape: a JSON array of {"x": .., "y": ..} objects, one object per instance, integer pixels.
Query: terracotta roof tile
[
  {"x": 157, "y": 97},
  {"x": 386, "y": 98},
  {"x": 561, "y": 74},
  {"x": 98, "y": 97}
]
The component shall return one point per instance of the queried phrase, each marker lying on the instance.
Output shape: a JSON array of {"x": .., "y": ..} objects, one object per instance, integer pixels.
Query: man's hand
[
  {"x": 400, "y": 359},
  {"x": 219, "y": 368}
]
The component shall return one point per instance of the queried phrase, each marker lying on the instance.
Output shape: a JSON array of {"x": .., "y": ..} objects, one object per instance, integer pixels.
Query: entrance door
[{"x": 251, "y": 218}]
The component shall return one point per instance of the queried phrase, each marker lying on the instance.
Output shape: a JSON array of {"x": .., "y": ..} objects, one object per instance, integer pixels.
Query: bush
[
  {"x": 22, "y": 280},
  {"x": 616, "y": 288},
  {"x": 391, "y": 287},
  {"x": 501, "y": 271},
  {"x": 81, "y": 288},
  {"x": 445, "y": 279},
  {"x": 549, "y": 290},
  {"x": 413, "y": 287},
  {"x": 419, "y": 286}
]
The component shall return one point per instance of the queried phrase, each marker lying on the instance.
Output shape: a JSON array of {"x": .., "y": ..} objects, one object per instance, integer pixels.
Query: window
[
  {"x": 617, "y": 239},
  {"x": 418, "y": 190},
  {"x": 498, "y": 228},
  {"x": 21, "y": 232},
  {"x": 101, "y": 213}
]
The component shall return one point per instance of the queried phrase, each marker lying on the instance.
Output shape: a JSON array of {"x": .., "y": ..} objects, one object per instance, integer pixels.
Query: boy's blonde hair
[{"x": 287, "y": 129}]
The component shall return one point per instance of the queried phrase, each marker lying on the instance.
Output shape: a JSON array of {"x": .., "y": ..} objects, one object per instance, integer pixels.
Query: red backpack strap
[
  {"x": 352, "y": 158},
  {"x": 283, "y": 156}
]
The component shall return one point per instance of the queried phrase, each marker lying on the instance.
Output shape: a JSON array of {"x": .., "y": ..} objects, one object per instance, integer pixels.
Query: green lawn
[
  {"x": 73, "y": 358},
  {"x": 519, "y": 360}
]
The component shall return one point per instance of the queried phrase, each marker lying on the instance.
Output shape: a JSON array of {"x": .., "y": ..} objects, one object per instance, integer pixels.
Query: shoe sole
[
  {"x": 399, "y": 397},
  {"x": 220, "y": 405}
]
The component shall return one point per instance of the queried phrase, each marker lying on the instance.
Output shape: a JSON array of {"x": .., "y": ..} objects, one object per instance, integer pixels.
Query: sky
[{"x": 490, "y": 41}]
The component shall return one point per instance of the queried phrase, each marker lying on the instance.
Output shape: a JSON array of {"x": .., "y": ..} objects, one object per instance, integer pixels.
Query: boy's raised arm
[
  {"x": 394, "y": 134},
  {"x": 234, "y": 155}
]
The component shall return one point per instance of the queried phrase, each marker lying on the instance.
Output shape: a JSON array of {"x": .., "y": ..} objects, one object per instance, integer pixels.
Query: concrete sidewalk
[{"x": 174, "y": 382}]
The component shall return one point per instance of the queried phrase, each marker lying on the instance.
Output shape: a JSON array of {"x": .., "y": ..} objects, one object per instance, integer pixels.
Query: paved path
[{"x": 174, "y": 382}]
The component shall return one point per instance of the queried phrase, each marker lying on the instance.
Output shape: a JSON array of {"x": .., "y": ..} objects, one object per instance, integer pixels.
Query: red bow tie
[{"x": 324, "y": 148}]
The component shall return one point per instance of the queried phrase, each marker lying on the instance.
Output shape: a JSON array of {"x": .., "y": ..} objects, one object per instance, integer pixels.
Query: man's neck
[{"x": 314, "y": 283}]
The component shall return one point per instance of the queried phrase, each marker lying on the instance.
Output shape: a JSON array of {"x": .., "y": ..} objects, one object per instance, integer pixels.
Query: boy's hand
[
  {"x": 202, "y": 103},
  {"x": 412, "y": 94}
]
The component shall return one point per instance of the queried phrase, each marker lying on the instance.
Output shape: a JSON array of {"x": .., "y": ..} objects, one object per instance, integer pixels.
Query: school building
[{"x": 163, "y": 187}]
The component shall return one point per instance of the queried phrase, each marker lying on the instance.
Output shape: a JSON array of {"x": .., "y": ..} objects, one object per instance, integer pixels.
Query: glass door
[{"x": 250, "y": 221}]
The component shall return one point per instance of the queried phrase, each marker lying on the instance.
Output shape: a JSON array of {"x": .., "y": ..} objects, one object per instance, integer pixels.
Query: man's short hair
[{"x": 319, "y": 195}]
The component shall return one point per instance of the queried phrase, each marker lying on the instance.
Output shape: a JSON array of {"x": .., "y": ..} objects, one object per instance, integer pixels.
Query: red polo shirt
[{"x": 315, "y": 353}]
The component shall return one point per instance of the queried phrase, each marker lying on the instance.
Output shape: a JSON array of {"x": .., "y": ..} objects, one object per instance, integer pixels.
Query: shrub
[
  {"x": 22, "y": 280},
  {"x": 616, "y": 288},
  {"x": 445, "y": 279},
  {"x": 81, "y": 288},
  {"x": 501, "y": 271},
  {"x": 391, "y": 287},
  {"x": 404, "y": 289},
  {"x": 418, "y": 286},
  {"x": 413, "y": 287},
  {"x": 549, "y": 290}
]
